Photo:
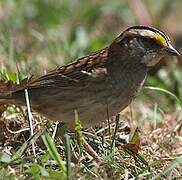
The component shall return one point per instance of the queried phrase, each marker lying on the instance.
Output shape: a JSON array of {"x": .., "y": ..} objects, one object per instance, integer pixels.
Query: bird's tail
[
  {"x": 6, "y": 89},
  {"x": 10, "y": 90},
  {"x": 5, "y": 94}
]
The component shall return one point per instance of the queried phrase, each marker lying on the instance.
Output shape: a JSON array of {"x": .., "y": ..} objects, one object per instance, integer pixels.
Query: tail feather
[
  {"x": 5, "y": 94},
  {"x": 9, "y": 88},
  {"x": 5, "y": 89}
]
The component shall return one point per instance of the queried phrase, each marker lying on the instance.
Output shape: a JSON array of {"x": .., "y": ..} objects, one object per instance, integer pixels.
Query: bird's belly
[
  {"x": 95, "y": 102},
  {"x": 93, "y": 107}
]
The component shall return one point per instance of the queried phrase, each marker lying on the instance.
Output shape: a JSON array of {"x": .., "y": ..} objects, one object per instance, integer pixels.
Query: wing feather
[{"x": 80, "y": 71}]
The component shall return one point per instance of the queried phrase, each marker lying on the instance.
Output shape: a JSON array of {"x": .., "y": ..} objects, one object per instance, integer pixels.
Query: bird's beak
[{"x": 171, "y": 50}]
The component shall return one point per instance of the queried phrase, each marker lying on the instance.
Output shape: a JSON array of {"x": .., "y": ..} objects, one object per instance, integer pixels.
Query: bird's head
[{"x": 146, "y": 44}]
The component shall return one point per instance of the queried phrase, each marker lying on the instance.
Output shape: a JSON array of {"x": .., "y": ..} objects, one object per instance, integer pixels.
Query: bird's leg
[
  {"x": 91, "y": 151},
  {"x": 60, "y": 133},
  {"x": 62, "y": 130}
]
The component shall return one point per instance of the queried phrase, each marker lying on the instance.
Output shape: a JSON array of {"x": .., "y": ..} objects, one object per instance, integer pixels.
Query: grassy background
[{"x": 36, "y": 36}]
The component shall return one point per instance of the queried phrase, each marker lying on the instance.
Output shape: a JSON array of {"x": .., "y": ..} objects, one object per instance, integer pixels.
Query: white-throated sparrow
[{"x": 97, "y": 85}]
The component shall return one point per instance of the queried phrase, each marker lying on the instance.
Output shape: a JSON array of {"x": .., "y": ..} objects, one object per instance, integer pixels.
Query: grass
[{"x": 39, "y": 35}]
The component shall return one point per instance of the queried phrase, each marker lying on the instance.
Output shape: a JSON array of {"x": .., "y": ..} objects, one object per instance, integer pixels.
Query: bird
[{"x": 99, "y": 85}]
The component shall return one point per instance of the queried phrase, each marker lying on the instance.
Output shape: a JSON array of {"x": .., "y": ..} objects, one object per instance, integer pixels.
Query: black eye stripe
[
  {"x": 149, "y": 41},
  {"x": 131, "y": 36},
  {"x": 143, "y": 40}
]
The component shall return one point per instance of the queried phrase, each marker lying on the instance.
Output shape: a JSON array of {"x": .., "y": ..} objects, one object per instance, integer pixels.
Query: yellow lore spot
[{"x": 160, "y": 39}]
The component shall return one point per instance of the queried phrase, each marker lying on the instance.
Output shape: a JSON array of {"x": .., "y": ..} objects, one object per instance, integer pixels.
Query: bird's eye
[{"x": 149, "y": 43}]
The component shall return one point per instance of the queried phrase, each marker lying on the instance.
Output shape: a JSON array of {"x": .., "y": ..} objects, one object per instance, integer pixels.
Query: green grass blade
[
  {"x": 53, "y": 151},
  {"x": 79, "y": 135},
  {"x": 115, "y": 131},
  {"x": 68, "y": 156},
  {"x": 166, "y": 92},
  {"x": 170, "y": 167}
]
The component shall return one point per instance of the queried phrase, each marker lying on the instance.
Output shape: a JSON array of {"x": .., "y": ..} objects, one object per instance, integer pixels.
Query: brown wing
[{"x": 80, "y": 71}]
